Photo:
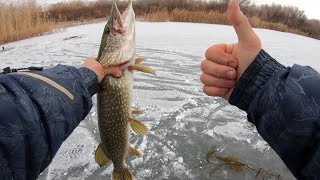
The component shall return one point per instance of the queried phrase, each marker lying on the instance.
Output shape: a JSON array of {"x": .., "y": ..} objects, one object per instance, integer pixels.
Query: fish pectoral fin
[
  {"x": 123, "y": 174},
  {"x": 135, "y": 152},
  {"x": 137, "y": 112},
  {"x": 138, "y": 127},
  {"x": 138, "y": 61},
  {"x": 100, "y": 157},
  {"x": 142, "y": 69}
]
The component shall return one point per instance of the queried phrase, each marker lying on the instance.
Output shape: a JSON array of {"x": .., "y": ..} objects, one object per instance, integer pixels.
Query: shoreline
[
  {"x": 56, "y": 27},
  {"x": 67, "y": 24}
]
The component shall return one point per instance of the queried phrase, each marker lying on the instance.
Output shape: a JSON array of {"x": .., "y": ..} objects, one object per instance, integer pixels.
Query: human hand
[
  {"x": 101, "y": 71},
  {"x": 225, "y": 63}
]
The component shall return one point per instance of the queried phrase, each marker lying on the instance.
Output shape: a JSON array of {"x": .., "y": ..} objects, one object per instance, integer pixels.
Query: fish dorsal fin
[
  {"x": 135, "y": 152},
  {"x": 138, "y": 127},
  {"x": 100, "y": 157}
]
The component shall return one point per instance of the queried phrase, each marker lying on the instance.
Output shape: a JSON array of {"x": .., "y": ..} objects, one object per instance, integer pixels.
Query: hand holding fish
[
  {"x": 101, "y": 71},
  {"x": 225, "y": 63}
]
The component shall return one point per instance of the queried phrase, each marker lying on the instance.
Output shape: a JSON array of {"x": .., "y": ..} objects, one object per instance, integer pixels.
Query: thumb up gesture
[{"x": 225, "y": 63}]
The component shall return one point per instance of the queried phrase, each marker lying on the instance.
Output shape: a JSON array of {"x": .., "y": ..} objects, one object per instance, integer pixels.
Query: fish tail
[{"x": 123, "y": 174}]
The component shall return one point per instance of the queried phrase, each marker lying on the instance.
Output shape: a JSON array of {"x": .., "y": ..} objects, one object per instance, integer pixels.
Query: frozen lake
[{"x": 184, "y": 123}]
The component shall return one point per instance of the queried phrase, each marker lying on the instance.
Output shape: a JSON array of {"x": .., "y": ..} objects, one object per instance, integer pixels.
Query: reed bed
[
  {"x": 22, "y": 19},
  {"x": 276, "y": 17},
  {"x": 212, "y": 17}
]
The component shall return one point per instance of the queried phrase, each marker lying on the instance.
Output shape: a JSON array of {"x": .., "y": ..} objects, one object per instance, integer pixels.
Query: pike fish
[{"x": 118, "y": 48}]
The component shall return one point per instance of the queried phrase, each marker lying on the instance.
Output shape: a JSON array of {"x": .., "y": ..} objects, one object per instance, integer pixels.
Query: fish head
[
  {"x": 118, "y": 42},
  {"x": 115, "y": 24}
]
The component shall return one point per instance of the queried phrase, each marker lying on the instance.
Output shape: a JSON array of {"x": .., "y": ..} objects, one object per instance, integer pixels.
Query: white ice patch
[
  {"x": 136, "y": 161},
  {"x": 261, "y": 145},
  {"x": 234, "y": 130}
]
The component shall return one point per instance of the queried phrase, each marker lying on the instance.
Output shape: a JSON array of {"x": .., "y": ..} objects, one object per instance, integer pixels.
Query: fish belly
[{"x": 114, "y": 111}]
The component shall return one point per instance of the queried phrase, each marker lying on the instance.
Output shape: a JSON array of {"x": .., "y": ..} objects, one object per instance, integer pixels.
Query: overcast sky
[{"x": 311, "y": 7}]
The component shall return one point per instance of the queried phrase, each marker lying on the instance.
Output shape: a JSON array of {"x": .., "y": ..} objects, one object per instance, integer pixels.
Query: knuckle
[
  {"x": 211, "y": 52},
  {"x": 204, "y": 65},
  {"x": 210, "y": 91},
  {"x": 203, "y": 78},
  {"x": 208, "y": 53},
  {"x": 206, "y": 90}
]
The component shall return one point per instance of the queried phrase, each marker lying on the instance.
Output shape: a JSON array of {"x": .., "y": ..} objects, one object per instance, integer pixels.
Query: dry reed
[
  {"x": 258, "y": 23},
  {"x": 214, "y": 18},
  {"x": 21, "y": 19},
  {"x": 158, "y": 16},
  {"x": 199, "y": 17}
]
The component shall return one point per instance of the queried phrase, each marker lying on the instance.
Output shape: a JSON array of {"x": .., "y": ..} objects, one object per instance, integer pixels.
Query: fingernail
[
  {"x": 231, "y": 74},
  {"x": 232, "y": 64}
]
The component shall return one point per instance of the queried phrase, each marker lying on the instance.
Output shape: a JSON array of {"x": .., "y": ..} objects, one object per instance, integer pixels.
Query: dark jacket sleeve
[
  {"x": 38, "y": 111},
  {"x": 284, "y": 104}
]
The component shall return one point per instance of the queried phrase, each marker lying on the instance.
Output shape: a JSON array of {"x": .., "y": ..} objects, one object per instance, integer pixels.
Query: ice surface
[{"x": 184, "y": 123}]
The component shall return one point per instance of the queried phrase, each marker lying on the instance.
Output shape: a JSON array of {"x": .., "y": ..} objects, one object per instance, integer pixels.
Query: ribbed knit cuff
[
  {"x": 90, "y": 80},
  {"x": 253, "y": 79}
]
